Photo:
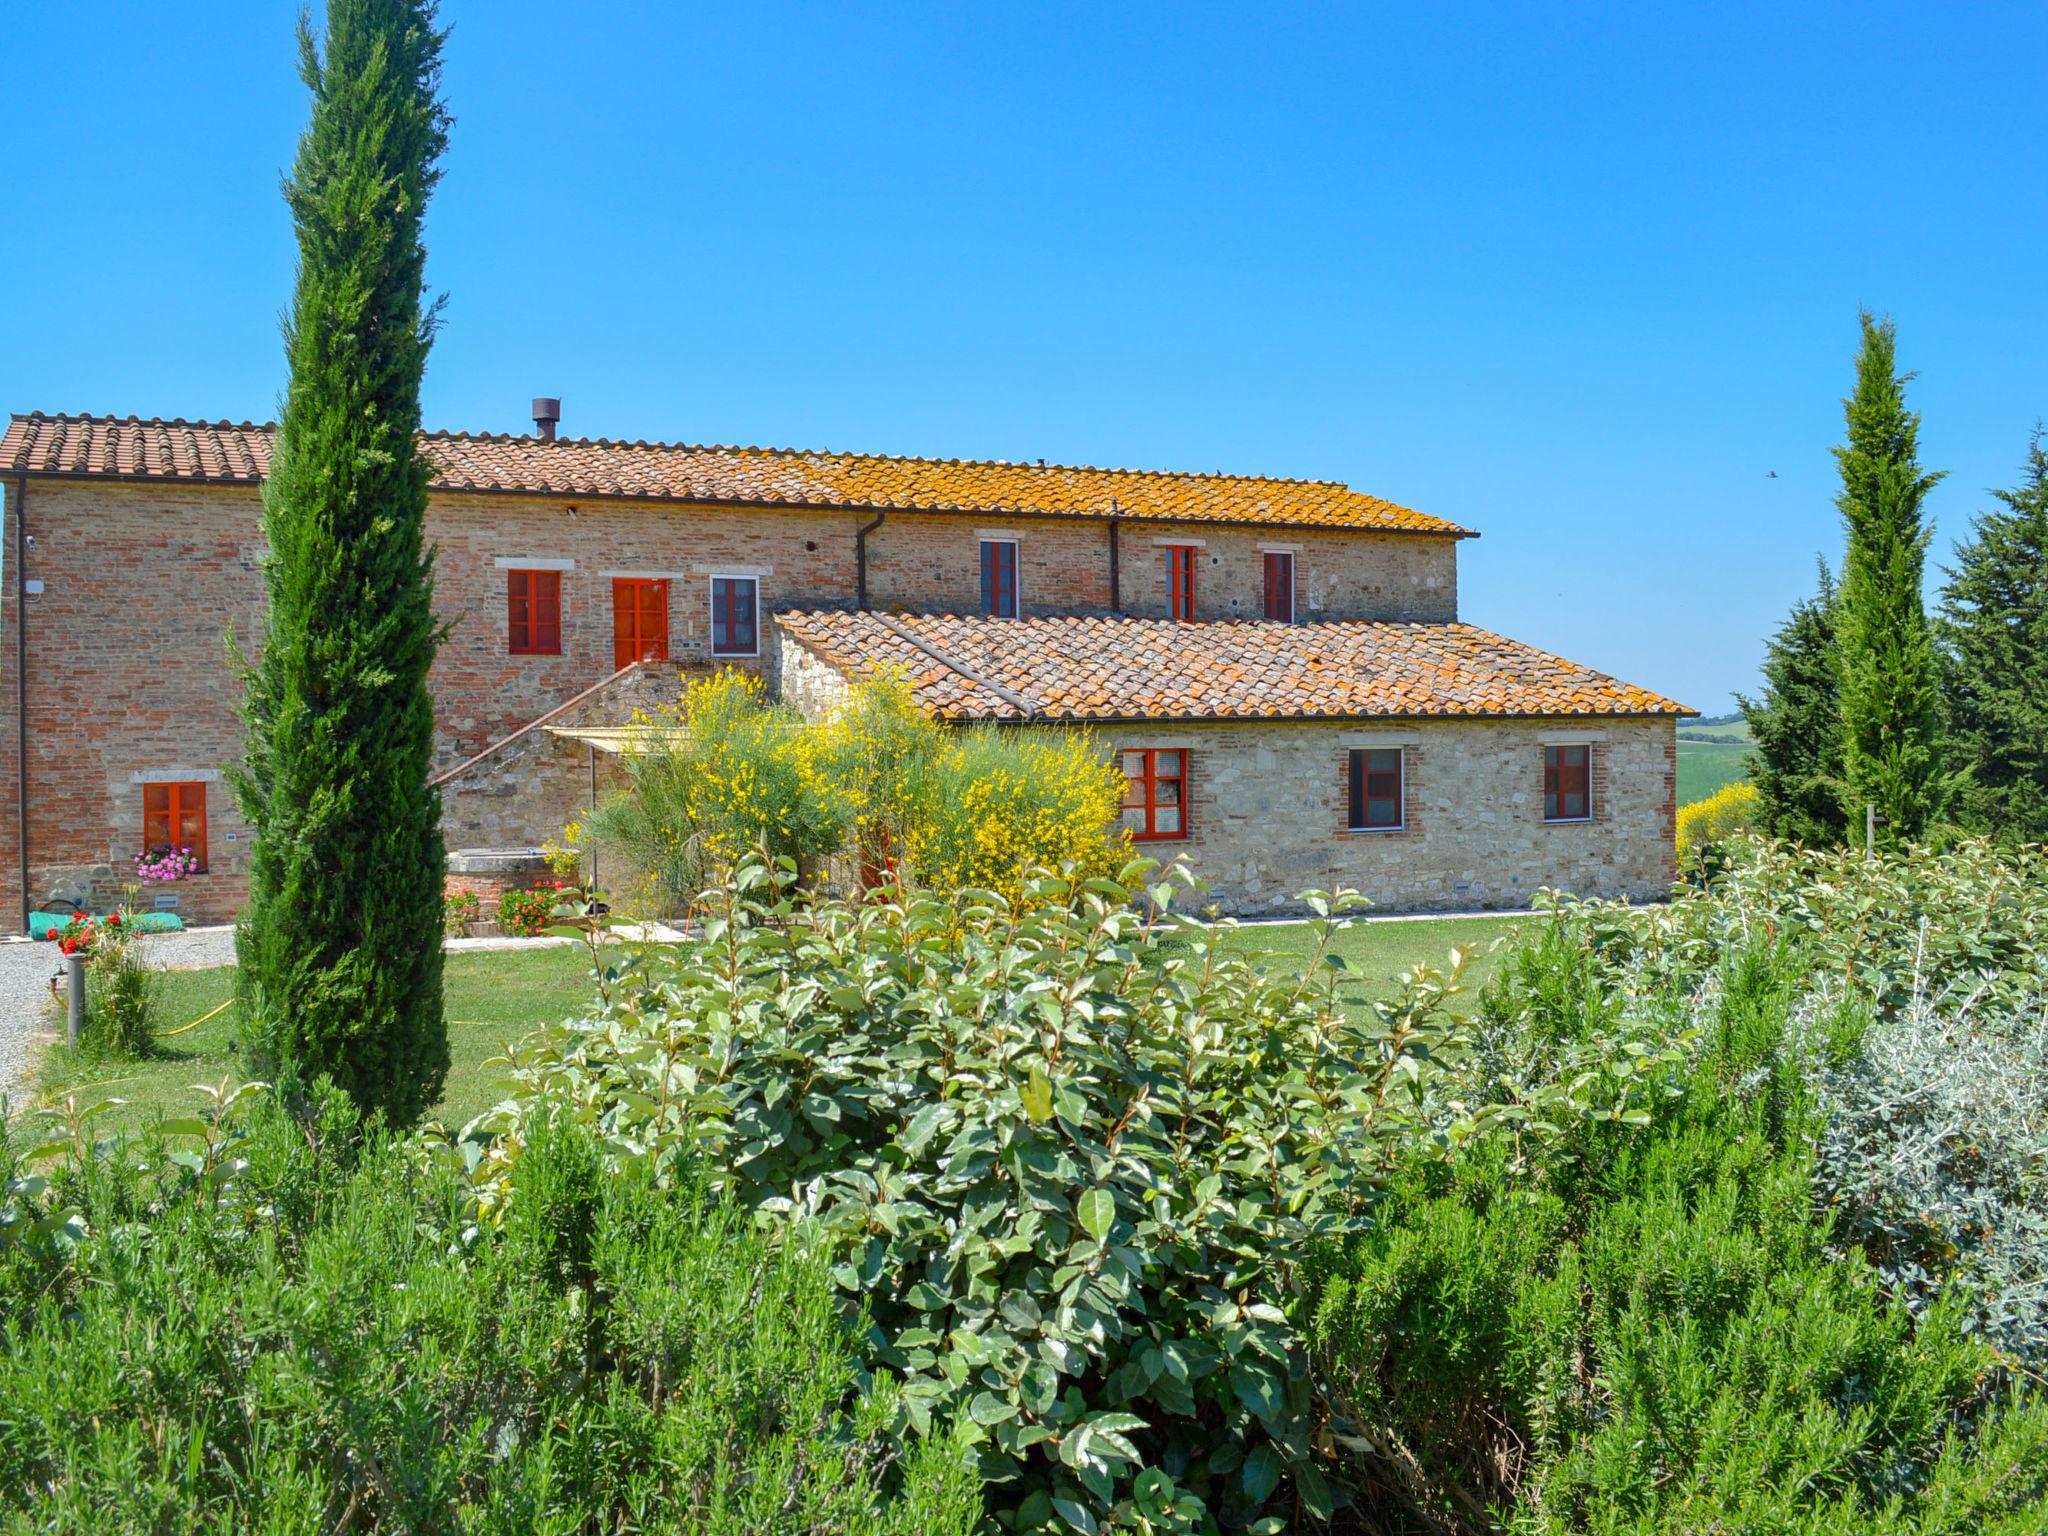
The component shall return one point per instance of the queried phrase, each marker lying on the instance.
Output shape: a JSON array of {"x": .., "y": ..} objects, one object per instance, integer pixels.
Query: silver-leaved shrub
[
  {"x": 1067, "y": 1154},
  {"x": 1922, "y": 1025}
]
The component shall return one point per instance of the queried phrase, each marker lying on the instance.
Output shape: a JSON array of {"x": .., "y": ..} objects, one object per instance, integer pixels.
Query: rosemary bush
[
  {"x": 251, "y": 1323},
  {"x": 1663, "y": 1326}
]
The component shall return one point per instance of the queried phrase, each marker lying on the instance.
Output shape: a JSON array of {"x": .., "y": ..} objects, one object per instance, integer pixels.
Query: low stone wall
[{"x": 488, "y": 873}]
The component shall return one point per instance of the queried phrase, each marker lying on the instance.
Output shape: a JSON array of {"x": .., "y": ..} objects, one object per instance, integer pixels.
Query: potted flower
[{"x": 162, "y": 865}]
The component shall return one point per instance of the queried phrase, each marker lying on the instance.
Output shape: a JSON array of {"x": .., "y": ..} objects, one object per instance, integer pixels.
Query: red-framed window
[
  {"x": 639, "y": 620},
  {"x": 1180, "y": 580},
  {"x": 999, "y": 578},
  {"x": 1280, "y": 586},
  {"x": 1567, "y": 783},
  {"x": 174, "y": 816},
  {"x": 1376, "y": 790},
  {"x": 735, "y": 616},
  {"x": 533, "y": 613},
  {"x": 1155, "y": 794}
]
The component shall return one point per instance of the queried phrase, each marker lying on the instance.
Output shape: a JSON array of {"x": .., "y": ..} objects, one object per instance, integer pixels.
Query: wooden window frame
[
  {"x": 1275, "y": 560},
  {"x": 1149, "y": 801},
  {"x": 753, "y": 615},
  {"x": 994, "y": 552},
  {"x": 1180, "y": 581},
  {"x": 1361, "y": 776},
  {"x": 533, "y": 617},
  {"x": 174, "y": 795},
  {"x": 1554, "y": 770},
  {"x": 636, "y": 584}
]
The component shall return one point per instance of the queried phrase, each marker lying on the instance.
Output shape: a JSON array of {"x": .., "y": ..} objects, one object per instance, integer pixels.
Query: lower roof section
[{"x": 1114, "y": 668}]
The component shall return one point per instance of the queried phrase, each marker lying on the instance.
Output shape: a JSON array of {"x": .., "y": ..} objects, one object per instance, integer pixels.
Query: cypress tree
[
  {"x": 1994, "y": 634},
  {"x": 1797, "y": 725},
  {"x": 340, "y": 945},
  {"x": 1891, "y": 691}
]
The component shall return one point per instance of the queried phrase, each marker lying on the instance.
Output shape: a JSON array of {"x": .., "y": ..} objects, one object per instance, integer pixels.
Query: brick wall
[
  {"x": 932, "y": 563},
  {"x": 129, "y": 676}
]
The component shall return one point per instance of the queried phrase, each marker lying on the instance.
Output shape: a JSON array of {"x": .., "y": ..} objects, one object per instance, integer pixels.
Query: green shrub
[
  {"x": 124, "y": 997},
  {"x": 1070, "y": 1167},
  {"x": 1665, "y": 1320},
  {"x": 1647, "y": 1329},
  {"x": 459, "y": 910},
  {"x": 278, "y": 1326},
  {"x": 712, "y": 779},
  {"x": 998, "y": 803},
  {"x": 729, "y": 773}
]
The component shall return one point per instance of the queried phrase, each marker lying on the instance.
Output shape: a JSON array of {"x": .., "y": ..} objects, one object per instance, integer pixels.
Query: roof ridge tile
[{"x": 746, "y": 475}]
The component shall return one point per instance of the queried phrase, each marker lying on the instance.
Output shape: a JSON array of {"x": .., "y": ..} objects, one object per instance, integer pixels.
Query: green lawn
[
  {"x": 492, "y": 997},
  {"x": 497, "y": 996},
  {"x": 1705, "y": 766},
  {"x": 1378, "y": 953}
]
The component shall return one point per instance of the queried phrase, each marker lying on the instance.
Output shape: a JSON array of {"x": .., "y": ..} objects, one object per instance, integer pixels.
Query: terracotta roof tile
[
  {"x": 596, "y": 467},
  {"x": 1156, "y": 669}
]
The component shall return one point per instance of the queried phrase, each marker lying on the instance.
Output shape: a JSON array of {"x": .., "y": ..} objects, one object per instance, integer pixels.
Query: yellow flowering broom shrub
[
  {"x": 711, "y": 778},
  {"x": 1000, "y": 802},
  {"x": 1729, "y": 810},
  {"x": 729, "y": 770},
  {"x": 873, "y": 760}
]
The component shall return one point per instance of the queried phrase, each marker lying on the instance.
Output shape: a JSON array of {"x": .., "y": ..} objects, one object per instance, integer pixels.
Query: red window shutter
[
  {"x": 1280, "y": 586},
  {"x": 1378, "y": 791},
  {"x": 735, "y": 628},
  {"x": 533, "y": 613},
  {"x": 999, "y": 578},
  {"x": 1155, "y": 794},
  {"x": 639, "y": 620},
  {"x": 1567, "y": 783},
  {"x": 1180, "y": 581},
  {"x": 174, "y": 816}
]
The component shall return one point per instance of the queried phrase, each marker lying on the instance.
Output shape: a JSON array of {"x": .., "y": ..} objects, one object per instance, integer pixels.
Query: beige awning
[{"x": 618, "y": 740}]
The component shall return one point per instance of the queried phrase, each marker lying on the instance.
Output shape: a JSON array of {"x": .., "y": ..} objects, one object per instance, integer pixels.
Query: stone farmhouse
[{"x": 1278, "y": 665}]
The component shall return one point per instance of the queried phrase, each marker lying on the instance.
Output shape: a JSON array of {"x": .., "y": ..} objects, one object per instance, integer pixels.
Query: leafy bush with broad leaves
[
  {"x": 1070, "y": 1150},
  {"x": 254, "y": 1323}
]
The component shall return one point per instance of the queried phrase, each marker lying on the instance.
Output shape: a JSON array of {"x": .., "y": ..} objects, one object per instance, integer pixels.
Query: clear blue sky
[{"x": 1578, "y": 277}]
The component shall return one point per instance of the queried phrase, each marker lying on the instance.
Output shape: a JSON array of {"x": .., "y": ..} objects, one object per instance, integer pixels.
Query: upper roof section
[
  {"x": 1077, "y": 669},
  {"x": 239, "y": 453}
]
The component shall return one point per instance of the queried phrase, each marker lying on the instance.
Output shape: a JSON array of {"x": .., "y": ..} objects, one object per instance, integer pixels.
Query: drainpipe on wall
[
  {"x": 860, "y": 563},
  {"x": 15, "y": 515},
  {"x": 1116, "y": 585}
]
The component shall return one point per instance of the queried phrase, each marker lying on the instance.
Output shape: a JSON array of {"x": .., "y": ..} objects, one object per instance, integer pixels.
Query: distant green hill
[{"x": 1705, "y": 766}]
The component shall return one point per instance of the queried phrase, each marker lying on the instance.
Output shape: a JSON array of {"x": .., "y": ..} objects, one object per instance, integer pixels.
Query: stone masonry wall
[
  {"x": 814, "y": 688},
  {"x": 1267, "y": 809}
]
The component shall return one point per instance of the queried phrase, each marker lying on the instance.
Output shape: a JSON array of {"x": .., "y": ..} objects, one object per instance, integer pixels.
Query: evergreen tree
[
  {"x": 1797, "y": 725},
  {"x": 1994, "y": 633},
  {"x": 340, "y": 946},
  {"x": 1891, "y": 691}
]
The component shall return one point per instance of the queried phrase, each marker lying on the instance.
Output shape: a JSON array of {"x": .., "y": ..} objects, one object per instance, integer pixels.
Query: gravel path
[
  {"x": 28, "y": 1014},
  {"x": 25, "y": 1007}
]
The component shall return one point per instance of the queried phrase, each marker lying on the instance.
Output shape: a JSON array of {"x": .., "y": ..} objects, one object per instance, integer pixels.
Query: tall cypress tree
[
  {"x": 1891, "y": 692},
  {"x": 340, "y": 945},
  {"x": 1797, "y": 725},
  {"x": 1994, "y": 634}
]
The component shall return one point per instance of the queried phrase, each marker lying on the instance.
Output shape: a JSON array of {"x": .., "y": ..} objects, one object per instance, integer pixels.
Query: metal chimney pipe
[{"x": 546, "y": 413}]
